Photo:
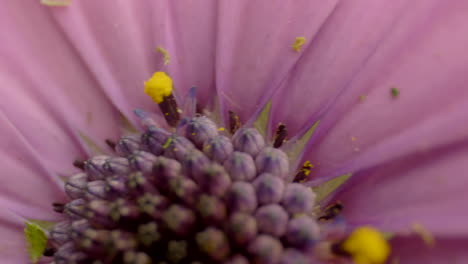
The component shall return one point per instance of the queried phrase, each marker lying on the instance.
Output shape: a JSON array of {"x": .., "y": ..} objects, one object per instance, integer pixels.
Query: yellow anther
[
  {"x": 298, "y": 43},
  {"x": 367, "y": 245},
  {"x": 158, "y": 86}
]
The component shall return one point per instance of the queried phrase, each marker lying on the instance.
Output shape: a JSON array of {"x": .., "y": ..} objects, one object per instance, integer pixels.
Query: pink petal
[
  {"x": 415, "y": 46},
  {"x": 12, "y": 243},
  {"x": 427, "y": 188},
  {"x": 254, "y": 47},
  {"x": 410, "y": 250}
]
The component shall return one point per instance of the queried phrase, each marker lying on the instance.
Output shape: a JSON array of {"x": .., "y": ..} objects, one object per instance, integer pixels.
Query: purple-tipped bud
[
  {"x": 148, "y": 233},
  {"x": 176, "y": 251},
  {"x": 179, "y": 220},
  {"x": 272, "y": 219},
  {"x": 237, "y": 259},
  {"x": 298, "y": 199},
  {"x": 97, "y": 190},
  {"x": 211, "y": 209},
  {"x": 269, "y": 188},
  {"x": 64, "y": 253},
  {"x": 153, "y": 204},
  {"x": 128, "y": 144},
  {"x": 134, "y": 257},
  {"x": 99, "y": 211},
  {"x": 302, "y": 232},
  {"x": 218, "y": 148},
  {"x": 242, "y": 228},
  {"x": 293, "y": 256},
  {"x": 153, "y": 140},
  {"x": 265, "y": 249},
  {"x": 76, "y": 209},
  {"x": 75, "y": 186},
  {"x": 241, "y": 197},
  {"x": 60, "y": 233},
  {"x": 248, "y": 140},
  {"x": 194, "y": 163},
  {"x": 240, "y": 166},
  {"x": 94, "y": 167},
  {"x": 164, "y": 170},
  {"x": 78, "y": 227},
  {"x": 215, "y": 180},
  {"x": 274, "y": 161},
  {"x": 117, "y": 184},
  {"x": 213, "y": 243},
  {"x": 142, "y": 161},
  {"x": 123, "y": 210},
  {"x": 200, "y": 129},
  {"x": 184, "y": 189},
  {"x": 116, "y": 166},
  {"x": 177, "y": 147}
]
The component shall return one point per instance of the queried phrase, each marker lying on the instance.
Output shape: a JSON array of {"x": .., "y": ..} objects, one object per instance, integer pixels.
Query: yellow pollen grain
[
  {"x": 362, "y": 98},
  {"x": 158, "y": 86},
  {"x": 221, "y": 129},
  {"x": 165, "y": 54},
  {"x": 56, "y": 2},
  {"x": 425, "y": 235},
  {"x": 298, "y": 43},
  {"x": 353, "y": 138},
  {"x": 367, "y": 245}
]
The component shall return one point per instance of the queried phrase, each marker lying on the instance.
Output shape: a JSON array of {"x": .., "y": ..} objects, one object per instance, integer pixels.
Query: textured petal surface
[
  {"x": 427, "y": 188},
  {"x": 410, "y": 250},
  {"x": 12, "y": 244},
  {"x": 412, "y": 45}
]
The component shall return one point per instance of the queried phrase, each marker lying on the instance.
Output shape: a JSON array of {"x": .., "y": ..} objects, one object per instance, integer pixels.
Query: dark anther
[
  {"x": 234, "y": 122},
  {"x": 170, "y": 111},
  {"x": 49, "y": 252},
  {"x": 280, "y": 136},
  {"x": 79, "y": 164},
  {"x": 304, "y": 172},
  {"x": 331, "y": 211},
  {"x": 58, "y": 207},
  {"x": 110, "y": 143}
]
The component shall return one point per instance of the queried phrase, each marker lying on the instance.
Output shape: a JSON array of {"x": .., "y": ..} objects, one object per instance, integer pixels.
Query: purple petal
[
  {"x": 410, "y": 250},
  {"x": 428, "y": 189},
  {"x": 13, "y": 249}
]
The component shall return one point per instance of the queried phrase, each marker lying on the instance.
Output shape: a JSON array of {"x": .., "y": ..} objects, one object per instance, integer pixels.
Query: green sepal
[
  {"x": 297, "y": 147},
  {"x": 326, "y": 188},
  {"x": 36, "y": 240},
  {"x": 261, "y": 122}
]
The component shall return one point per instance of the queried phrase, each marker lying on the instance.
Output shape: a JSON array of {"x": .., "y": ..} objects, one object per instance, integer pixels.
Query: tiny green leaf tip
[
  {"x": 36, "y": 240},
  {"x": 395, "y": 92},
  {"x": 261, "y": 123},
  {"x": 326, "y": 188}
]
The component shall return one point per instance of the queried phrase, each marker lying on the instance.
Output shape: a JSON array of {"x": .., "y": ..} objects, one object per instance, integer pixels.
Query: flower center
[{"x": 198, "y": 195}]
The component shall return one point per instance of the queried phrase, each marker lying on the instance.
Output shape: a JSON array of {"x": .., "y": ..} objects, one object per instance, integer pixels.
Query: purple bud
[
  {"x": 302, "y": 232},
  {"x": 76, "y": 185},
  {"x": 291, "y": 255},
  {"x": 134, "y": 257},
  {"x": 128, "y": 144},
  {"x": 137, "y": 183},
  {"x": 148, "y": 233},
  {"x": 116, "y": 166},
  {"x": 64, "y": 253},
  {"x": 153, "y": 140},
  {"x": 237, "y": 259},
  {"x": 94, "y": 167},
  {"x": 78, "y": 227},
  {"x": 240, "y": 166},
  {"x": 200, "y": 129},
  {"x": 123, "y": 210},
  {"x": 178, "y": 219},
  {"x": 60, "y": 233},
  {"x": 269, "y": 188},
  {"x": 99, "y": 211},
  {"x": 218, "y": 148},
  {"x": 248, "y": 140},
  {"x": 213, "y": 243},
  {"x": 142, "y": 161},
  {"x": 211, "y": 209},
  {"x": 265, "y": 250},
  {"x": 117, "y": 184},
  {"x": 97, "y": 190},
  {"x": 272, "y": 219},
  {"x": 164, "y": 170},
  {"x": 241, "y": 197},
  {"x": 76, "y": 209},
  {"x": 214, "y": 180},
  {"x": 177, "y": 147},
  {"x": 274, "y": 161},
  {"x": 242, "y": 228},
  {"x": 185, "y": 189},
  {"x": 298, "y": 199},
  {"x": 153, "y": 204},
  {"x": 194, "y": 163}
]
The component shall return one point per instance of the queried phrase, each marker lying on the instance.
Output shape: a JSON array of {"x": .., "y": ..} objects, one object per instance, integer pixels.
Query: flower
[{"x": 69, "y": 72}]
